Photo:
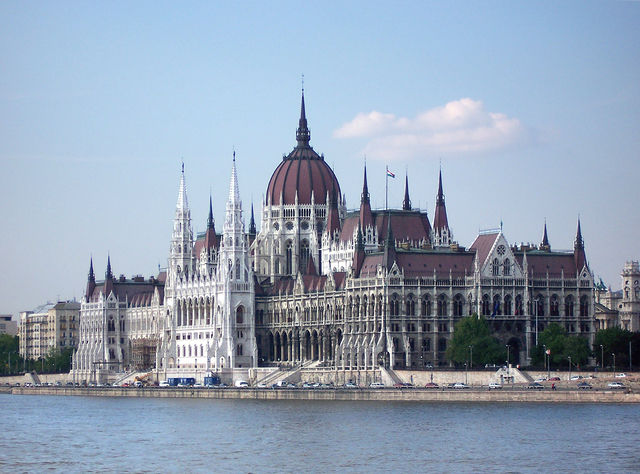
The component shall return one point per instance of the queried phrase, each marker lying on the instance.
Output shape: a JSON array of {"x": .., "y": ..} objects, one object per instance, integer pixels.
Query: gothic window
[
  {"x": 518, "y": 311},
  {"x": 584, "y": 306},
  {"x": 539, "y": 301},
  {"x": 237, "y": 272},
  {"x": 304, "y": 255},
  {"x": 457, "y": 305},
  {"x": 486, "y": 305},
  {"x": 495, "y": 267},
  {"x": 394, "y": 305},
  {"x": 496, "y": 306},
  {"x": 568, "y": 306},
  {"x": 426, "y": 306},
  {"x": 239, "y": 315},
  {"x": 365, "y": 306},
  {"x": 506, "y": 267},
  {"x": 239, "y": 350},
  {"x": 442, "y": 305},
  {"x": 442, "y": 344},
  {"x": 289, "y": 258},
  {"x": 111, "y": 325},
  {"x": 507, "y": 304},
  {"x": 554, "y": 306},
  {"x": 410, "y": 306}
]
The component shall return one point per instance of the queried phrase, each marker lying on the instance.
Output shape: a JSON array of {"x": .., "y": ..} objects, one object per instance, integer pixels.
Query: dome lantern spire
[{"x": 302, "y": 134}]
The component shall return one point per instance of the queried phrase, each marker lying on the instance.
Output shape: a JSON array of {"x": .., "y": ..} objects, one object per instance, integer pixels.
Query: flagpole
[{"x": 386, "y": 188}]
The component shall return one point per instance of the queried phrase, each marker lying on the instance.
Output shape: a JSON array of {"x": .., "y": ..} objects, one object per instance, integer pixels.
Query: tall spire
[
  {"x": 364, "y": 197},
  {"x": 210, "y": 222},
  {"x": 252, "y": 223},
  {"x": 92, "y": 276},
  {"x": 108, "y": 275},
  {"x": 578, "y": 250},
  {"x": 579, "y": 243},
  {"x": 406, "y": 203},
  {"x": 441, "y": 229},
  {"x": 545, "y": 240},
  {"x": 234, "y": 193},
  {"x": 366, "y": 217},
  {"x": 302, "y": 134},
  {"x": 389, "y": 255},
  {"x": 182, "y": 193}
]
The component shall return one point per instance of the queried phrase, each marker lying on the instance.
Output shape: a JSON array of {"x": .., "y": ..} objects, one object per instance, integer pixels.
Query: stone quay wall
[{"x": 390, "y": 394}]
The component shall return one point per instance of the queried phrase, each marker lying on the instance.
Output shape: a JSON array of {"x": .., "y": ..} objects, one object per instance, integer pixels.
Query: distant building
[
  {"x": 8, "y": 325},
  {"x": 50, "y": 326},
  {"x": 620, "y": 308}
]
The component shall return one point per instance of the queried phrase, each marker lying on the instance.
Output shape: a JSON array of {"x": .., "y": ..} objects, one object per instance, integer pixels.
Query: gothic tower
[{"x": 235, "y": 342}]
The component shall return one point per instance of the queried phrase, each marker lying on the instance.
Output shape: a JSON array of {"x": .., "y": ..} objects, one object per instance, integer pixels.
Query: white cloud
[{"x": 459, "y": 127}]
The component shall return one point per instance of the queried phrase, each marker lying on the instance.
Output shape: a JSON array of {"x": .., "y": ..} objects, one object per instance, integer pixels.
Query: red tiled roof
[
  {"x": 482, "y": 245},
  {"x": 411, "y": 226},
  {"x": 555, "y": 263}
]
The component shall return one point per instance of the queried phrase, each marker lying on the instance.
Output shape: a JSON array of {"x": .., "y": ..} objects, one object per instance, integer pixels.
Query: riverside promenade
[{"x": 510, "y": 394}]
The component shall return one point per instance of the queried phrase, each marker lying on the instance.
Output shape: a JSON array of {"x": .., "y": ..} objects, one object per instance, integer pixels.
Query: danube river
[{"x": 97, "y": 434}]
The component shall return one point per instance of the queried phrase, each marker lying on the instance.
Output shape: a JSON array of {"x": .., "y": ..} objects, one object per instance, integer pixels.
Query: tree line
[
  {"x": 12, "y": 363},
  {"x": 613, "y": 348}
]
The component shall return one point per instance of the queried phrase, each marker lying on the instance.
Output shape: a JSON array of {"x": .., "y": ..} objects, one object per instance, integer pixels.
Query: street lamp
[
  {"x": 601, "y": 357},
  {"x": 569, "y": 357},
  {"x": 508, "y": 351},
  {"x": 535, "y": 309},
  {"x": 471, "y": 357},
  {"x": 614, "y": 361}
]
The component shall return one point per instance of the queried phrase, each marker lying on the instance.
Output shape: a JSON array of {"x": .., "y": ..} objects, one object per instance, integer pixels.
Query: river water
[{"x": 96, "y": 434}]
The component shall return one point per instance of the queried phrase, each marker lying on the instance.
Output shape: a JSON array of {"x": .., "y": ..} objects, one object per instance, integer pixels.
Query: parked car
[
  {"x": 261, "y": 385},
  {"x": 535, "y": 386},
  {"x": 241, "y": 384},
  {"x": 554, "y": 379},
  {"x": 616, "y": 385},
  {"x": 431, "y": 385},
  {"x": 350, "y": 385},
  {"x": 540, "y": 379},
  {"x": 460, "y": 385},
  {"x": 495, "y": 386},
  {"x": 164, "y": 383},
  {"x": 576, "y": 377},
  {"x": 584, "y": 386},
  {"x": 377, "y": 385},
  {"x": 621, "y": 376}
]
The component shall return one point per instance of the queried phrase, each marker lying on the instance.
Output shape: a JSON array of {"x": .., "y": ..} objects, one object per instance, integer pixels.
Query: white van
[{"x": 242, "y": 384}]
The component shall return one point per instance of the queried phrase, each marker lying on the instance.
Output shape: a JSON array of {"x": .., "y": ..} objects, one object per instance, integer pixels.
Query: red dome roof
[{"x": 304, "y": 172}]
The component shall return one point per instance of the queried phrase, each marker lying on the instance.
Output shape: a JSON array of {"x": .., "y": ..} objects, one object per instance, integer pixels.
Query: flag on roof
[{"x": 389, "y": 173}]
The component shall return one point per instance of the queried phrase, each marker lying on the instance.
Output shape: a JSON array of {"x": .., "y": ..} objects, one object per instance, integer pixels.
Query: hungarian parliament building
[{"x": 322, "y": 286}]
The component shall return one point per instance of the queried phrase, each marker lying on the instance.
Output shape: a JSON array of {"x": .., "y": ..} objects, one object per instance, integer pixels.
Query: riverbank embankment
[{"x": 390, "y": 394}]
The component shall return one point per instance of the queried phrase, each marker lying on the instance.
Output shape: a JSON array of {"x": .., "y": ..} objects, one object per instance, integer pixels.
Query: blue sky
[{"x": 531, "y": 107}]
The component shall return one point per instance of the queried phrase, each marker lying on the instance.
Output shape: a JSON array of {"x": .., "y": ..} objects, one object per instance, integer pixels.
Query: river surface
[{"x": 97, "y": 434}]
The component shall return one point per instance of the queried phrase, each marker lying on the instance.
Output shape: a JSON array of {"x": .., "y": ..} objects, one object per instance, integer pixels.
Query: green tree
[
  {"x": 616, "y": 341},
  {"x": 9, "y": 351},
  {"x": 562, "y": 346},
  {"x": 475, "y": 332}
]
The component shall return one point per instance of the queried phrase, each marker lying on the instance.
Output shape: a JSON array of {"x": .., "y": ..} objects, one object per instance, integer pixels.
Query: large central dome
[{"x": 302, "y": 171}]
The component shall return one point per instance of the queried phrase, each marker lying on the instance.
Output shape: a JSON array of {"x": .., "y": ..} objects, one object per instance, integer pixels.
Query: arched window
[
  {"x": 506, "y": 267},
  {"x": 507, "y": 304},
  {"x": 111, "y": 325},
  {"x": 539, "y": 301},
  {"x": 304, "y": 255},
  {"x": 486, "y": 305},
  {"x": 239, "y": 350},
  {"x": 240, "y": 315},
  {"x": 554, "y": 306},
  {"x": 394, "y": 305},
  {"x": 289, "y": 258},
  {"x": 426, "y": 306},
  {"x": 442, "y": 305},
  {"x": 584, "y": 306},
  {"x": 568, "y": 306},
  {"x": 457, "y": 305},
  {"x": 496, "y": 310},
  {"x": 410, "y": 306},
  {"x": 495, "y": 267},
  {"x": 518, "y": 311}
]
